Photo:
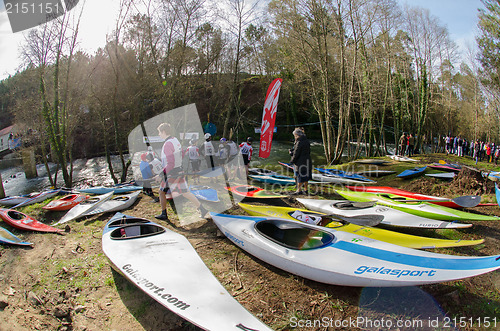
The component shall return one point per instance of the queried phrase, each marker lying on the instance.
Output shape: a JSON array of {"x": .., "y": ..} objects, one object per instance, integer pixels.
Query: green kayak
[{"x": 419, "y": 208}]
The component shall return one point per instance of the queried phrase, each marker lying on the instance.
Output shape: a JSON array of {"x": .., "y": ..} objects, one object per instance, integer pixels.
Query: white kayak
[
  {"x": 164, "y": 265},
  {"x": 340, "y": 258},
  {"x": 392, "y": 216},
  {"x": 28, "y": 199},
  {"x": 84, "y": 207},
  {"x": 114, "y": 204},
  {"x": 328, "y": 178},
  {"x": 401, "y": 158}
]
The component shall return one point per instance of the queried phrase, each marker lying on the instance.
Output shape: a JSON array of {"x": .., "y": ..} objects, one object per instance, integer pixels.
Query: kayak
[
  {"x": 334, "y": 179},
  {"x": 340, "y": 258},
  {"x": 65, "y": 203},
  {"x": 497, "y": 194},
  {"x": 392, "y": 216},
  {"x": 274, "y": 179},
  {"x": 204, "y": 193},
  {"x": 375, "y": 173},
  {"x": 408, "y": 194},
  {"x": 401, "y": 158},
  {"x": 493, "y": 176},
  {"x": 411, "y": 173},
  {"x": 165, "y": 266},
  {"x": 392, "y": 237},
  {"x": 28, "y": 199},
  {"x": 443, "y": 175},
  {"x": 6, "y": 237},
  {"x": 24, "y": 222},
  {"x": 422, "y": 209},
  {"x": 446, "y": 167},
  {"x": 84, "y": 207},
  {"x": 260, "y": 171},
  {"x": 372, "y": 161},
  {"x": 114, "y": 204},
  {"x": 249, "y": 191},
  {"x": 119, "y": 189},
  {"x": 343, "y": 174}
]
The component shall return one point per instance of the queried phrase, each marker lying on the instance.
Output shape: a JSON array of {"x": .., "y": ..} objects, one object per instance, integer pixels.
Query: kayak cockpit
[
  {"x": 15, "y": 215},
  {"x": 352, "y": 205},
  {"x": 136, "y": 230},
  {"x": 293, "y": 235},
  {"x": 127, "y": 221}
]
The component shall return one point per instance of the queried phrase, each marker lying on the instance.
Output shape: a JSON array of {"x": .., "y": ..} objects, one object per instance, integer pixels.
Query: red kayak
[
  {"x": 408, "y": 194},
  {"x": 65, "y": 203},
  {"x": 24, "y": 222},
  {"x": 249, "y": 191}
]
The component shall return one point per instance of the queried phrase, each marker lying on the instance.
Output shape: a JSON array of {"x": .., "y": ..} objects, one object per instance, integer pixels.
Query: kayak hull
[
  {"x": 342, "y": 258},
  {"x": 24, "y": 222},
  {"x": 84, "y": 207},
  {"x": 165, "y": 266},
  {"x": 392, "y": 217},
  {"x": 392, "y": 237},
  {"x": 65, "y": 203},
  {"x": 250, "y": 191},
  {"x": 6, "y": 237},
  {"x": 422, "y": 209}
]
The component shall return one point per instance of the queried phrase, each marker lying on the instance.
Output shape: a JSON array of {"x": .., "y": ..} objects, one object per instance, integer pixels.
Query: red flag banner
[{"x": 268, "y": 118}]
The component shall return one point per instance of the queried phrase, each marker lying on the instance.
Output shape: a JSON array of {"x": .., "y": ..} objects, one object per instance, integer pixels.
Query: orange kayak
[{"x": 65, "y": 203}]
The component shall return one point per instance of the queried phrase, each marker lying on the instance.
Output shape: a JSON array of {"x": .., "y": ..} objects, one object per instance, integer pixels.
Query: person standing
[
  {"x": 301, "y": 160},
  {"x": 147, "y": 174},
  {"x": 223, "y": 152},
  {"x": 402, "y": 144},
  {"x": 246, "y": 151},
  {"x": 193, "y": 153},
  {"x": 208, "y": 150},
  {"x": 172, "y": 177}
]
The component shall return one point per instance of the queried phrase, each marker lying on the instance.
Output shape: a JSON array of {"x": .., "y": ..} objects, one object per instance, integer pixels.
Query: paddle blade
[
  {"x": 362, "y": 220},
  {"x": 467, "y": 201}
]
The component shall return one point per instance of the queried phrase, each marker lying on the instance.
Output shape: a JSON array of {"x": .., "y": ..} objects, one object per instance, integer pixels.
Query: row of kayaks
[
  {"x": 334, "y": 241},
  {"x": 76, "y": 205}
]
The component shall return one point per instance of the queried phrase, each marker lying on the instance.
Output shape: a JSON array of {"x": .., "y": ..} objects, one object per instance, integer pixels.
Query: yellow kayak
[{"x": 392, "y": 237}]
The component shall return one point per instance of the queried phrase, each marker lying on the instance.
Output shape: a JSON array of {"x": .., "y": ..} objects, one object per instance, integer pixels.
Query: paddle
[
  {"x": 363, "y": 220},
  {"x": 466, "y": 201}
]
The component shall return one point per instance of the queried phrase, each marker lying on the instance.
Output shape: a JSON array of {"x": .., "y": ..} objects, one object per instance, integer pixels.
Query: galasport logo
[
  {"x": 159, "y": 291},
  {"x": 26, "y": 14}
]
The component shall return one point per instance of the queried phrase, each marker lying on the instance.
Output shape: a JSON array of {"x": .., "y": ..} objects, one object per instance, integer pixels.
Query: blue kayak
[
  {"x": 343, "y": 174},
  {"x": 274, "y": 179},
  {"x": 410, "y": 173},
  {"x": 6, "y": 237},
  {"x": 204, "y": 193},
  {"x": 119, "y": 189}
]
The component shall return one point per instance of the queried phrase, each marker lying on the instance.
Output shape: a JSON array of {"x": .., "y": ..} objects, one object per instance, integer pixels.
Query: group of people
[
  {"x": 169, "y": 173},
  {"x": 406, "y": 144},
  {"x": 478, "y": 150}
]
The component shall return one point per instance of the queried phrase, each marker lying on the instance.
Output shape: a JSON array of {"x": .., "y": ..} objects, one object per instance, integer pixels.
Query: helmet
[
  {"x": 222, "y": 140},
  {"x": 249, "y": 139},
  {"x": 207, "y": 135},
  {"x": 192, "y": 141}
]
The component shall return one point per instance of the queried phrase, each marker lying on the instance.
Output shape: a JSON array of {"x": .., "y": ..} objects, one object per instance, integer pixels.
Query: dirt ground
[{"x": 66, "y": 283}]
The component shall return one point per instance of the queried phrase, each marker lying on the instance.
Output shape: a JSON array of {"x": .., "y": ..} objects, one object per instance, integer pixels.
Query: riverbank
[{"x": 65, "y": 282}]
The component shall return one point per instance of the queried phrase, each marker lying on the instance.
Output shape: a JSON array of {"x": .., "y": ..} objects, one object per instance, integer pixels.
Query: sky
[{"x": 459, "y": 16}]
